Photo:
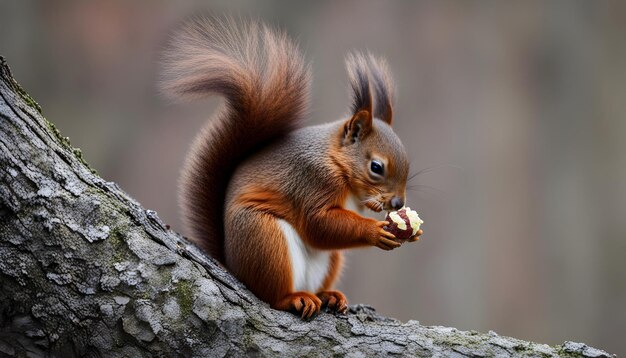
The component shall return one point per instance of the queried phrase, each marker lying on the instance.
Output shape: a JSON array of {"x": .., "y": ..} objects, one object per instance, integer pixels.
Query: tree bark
[{"x": 86, "y": 271}]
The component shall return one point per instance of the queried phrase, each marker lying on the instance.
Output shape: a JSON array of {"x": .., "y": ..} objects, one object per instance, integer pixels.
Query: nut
[{"x": 404, "y": 223}]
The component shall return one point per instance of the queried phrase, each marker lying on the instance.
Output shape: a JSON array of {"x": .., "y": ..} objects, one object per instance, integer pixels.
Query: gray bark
[{"x": 86, "y": 271}]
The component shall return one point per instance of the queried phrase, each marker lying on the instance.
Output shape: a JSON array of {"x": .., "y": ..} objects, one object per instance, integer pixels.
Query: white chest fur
[{"x": 309, "y": 266}]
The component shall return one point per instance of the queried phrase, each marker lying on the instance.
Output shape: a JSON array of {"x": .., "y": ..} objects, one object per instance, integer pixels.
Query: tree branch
[{"x": 86, "y": 271}]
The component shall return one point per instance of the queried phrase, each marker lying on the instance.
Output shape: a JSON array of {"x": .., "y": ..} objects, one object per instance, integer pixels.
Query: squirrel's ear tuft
[
  {"x": 357, "y": 127},
  {"x": 356, "y": 64},
  {"x": 362, "y": 68},
  {"x": 383, "y": 87}
]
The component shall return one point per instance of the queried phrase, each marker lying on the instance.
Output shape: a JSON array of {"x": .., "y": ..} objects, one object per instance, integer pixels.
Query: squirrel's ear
[
  {"x": 360, "y": 125},
  {"x": 357, "y": 127}
]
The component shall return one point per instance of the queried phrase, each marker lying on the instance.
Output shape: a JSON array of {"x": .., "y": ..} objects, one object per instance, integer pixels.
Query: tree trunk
[{"x": 86, "y": 271}]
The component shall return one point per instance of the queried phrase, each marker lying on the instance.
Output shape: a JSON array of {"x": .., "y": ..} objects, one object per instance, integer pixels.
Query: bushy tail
[{"x": 265, "y": 82}]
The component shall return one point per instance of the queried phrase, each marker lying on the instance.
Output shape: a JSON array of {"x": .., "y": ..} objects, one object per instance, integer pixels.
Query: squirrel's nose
[{"x": 396, "y": 203}]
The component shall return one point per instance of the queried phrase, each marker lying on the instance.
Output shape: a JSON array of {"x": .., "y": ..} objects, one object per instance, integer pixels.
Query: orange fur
[
  {"x": 267, "y": 273},
  {"x": 266, "y": 200},
  {"x": 336, "y": 264}
]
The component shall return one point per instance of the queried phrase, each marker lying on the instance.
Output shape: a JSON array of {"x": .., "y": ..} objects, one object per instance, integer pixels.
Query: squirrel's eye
[{"x": 377, "y": 167}]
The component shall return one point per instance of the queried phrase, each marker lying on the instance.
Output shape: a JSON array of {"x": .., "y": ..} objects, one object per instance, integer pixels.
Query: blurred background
[{"x": 516, "y": 112}]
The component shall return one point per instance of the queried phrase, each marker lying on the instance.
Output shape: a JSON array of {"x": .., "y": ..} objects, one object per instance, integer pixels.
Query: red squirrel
[{"x": 263, "y": 194}]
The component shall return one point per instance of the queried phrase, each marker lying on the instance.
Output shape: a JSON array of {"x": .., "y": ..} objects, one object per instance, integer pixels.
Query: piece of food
[{"x": 404, "y": 223}]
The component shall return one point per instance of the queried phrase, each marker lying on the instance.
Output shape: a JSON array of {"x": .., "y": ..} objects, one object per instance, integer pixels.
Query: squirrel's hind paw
[
  {"x": 334, "y": 300},
  {"x": 306, "y": 304}
]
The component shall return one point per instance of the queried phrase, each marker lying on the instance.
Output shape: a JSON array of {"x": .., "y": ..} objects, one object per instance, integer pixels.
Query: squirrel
[{"x": 266, "y": 196}]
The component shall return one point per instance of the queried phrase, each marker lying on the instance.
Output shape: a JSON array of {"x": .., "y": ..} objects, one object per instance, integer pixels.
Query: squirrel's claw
[
  {"x": 416, "y": 236},
  {"x": 334, "y": 300},
  {"x": 305, "y": 304}
]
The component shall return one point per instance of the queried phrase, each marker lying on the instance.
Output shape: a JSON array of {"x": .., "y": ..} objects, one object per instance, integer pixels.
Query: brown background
[{"x": 519, "y": 108}]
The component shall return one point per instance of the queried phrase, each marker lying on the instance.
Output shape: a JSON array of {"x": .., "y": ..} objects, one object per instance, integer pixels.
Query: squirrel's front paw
[{"x": 381, "y": 238}]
